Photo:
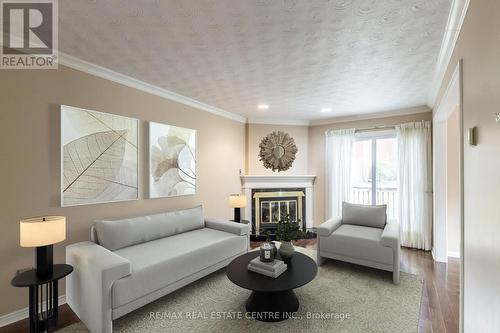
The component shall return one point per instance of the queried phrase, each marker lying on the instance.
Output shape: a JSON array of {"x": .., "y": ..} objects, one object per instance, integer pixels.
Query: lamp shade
[
  {"x": 237, "y": 200},
  {"x": 42, "y": 231}
]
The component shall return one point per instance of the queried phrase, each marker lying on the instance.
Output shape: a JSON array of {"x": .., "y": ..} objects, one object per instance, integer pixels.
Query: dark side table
[{"x": 43, "y": 296}]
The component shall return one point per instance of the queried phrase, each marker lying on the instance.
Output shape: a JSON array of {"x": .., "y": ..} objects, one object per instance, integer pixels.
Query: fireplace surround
[
  {"x": 269, "y": 197},
  {"x": 269, "y": 206}
]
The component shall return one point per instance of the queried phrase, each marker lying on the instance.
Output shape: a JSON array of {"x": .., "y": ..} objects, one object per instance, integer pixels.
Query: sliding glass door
[{"x": 374, "y": 176}]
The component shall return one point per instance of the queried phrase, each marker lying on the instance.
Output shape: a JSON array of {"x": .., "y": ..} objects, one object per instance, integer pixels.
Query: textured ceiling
[{"x": 298, "y": 56}]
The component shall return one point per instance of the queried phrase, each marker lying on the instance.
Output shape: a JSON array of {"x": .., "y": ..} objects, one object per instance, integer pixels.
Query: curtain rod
[{"x": 374, "y": 128}]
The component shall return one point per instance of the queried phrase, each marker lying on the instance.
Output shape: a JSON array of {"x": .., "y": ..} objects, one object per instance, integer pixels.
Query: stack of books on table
[{"x": 272, "y": 269}]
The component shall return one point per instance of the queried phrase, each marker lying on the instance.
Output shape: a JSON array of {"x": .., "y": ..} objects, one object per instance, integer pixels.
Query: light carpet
[{"x": 342, "y": 298}]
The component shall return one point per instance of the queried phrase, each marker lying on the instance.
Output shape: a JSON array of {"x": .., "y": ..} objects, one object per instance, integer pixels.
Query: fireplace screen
[
  {"x": 269, "y": 206},
  {"x": 273, "y": 211}
]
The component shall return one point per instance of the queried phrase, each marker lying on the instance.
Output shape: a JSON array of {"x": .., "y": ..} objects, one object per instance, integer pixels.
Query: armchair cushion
[
  {"x": 357, "y": 241},
  {"x": 365, "y": 215},
  {"x": 325, "y": 229},
  {"x": 117, "y": 234}
]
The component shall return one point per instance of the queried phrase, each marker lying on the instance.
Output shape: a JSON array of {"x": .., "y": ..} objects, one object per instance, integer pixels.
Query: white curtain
[
  {"x": 338, "y": 170},
  {"x": 415, "y": 184}
]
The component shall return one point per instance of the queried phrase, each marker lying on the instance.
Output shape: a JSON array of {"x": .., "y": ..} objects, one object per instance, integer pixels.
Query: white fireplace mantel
[
  {"x": 249, "y": 182},
  {"x": 268, "y": 181}
]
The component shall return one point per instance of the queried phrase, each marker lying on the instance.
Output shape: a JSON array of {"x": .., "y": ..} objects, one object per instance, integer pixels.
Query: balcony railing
[{"x": 384, "y": 195}]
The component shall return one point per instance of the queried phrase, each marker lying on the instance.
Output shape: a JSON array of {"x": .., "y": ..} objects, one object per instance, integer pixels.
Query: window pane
[
  {"x": 275, "y": 217},
  {"x": 265, "y": 215},
  {"x": 293, "y": 211},
  {"x": 361, "y": 172},
  {"x": 387, "y": 175},
  {"x": 283, "y": 210}
]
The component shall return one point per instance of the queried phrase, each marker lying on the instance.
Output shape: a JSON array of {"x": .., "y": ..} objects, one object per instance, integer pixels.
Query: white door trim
[{"x": 452, "y": 97}]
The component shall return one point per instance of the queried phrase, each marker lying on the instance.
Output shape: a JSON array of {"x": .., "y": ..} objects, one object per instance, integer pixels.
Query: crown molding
[
  {"x": 452, "y": 31},
  {"x": 108, "y": 74},
  {"x": 367, "y": 116},
  {"x": 274, "y": 121},
  {"x": 21, "y": 314}
]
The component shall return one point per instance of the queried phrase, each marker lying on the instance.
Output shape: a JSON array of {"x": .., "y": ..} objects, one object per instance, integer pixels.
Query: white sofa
[
  {"x": 134, "y": 261},
  {"x": 362, "y": 236}
]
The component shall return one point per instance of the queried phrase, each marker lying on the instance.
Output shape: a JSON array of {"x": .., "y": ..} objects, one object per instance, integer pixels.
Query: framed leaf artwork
[
  {"x": 172, "y": 160},
  {"x": 99, "y": 153}
]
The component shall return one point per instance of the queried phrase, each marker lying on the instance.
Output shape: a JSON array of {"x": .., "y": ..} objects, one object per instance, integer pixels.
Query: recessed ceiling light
[
  {"x": 262, "y": 106},
  {"x": 326, "y": 110}
]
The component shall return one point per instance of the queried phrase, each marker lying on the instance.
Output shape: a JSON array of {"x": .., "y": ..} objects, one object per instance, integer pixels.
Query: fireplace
[
  {"x": 271, "y": 205},
  {"x": 277, "y": 194}
]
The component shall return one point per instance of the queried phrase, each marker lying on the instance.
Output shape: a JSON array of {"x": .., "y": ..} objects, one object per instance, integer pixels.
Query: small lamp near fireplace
[
  {"x": 41, "y": 233},
  {"x": 237, "y": 201}
]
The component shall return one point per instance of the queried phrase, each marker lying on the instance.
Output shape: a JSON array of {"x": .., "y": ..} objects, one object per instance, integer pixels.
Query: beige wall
[
  {"x": 256, "y": 132},
  {"x": 30, "y": 159},
  {"x": 317, "y": 152},
  {"x": 479, "y": 47},
  {"x": 453, "y": 182}
]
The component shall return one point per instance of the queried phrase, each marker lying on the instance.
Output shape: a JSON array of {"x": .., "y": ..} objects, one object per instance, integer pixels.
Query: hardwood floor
[{"x": 439, "y": 311}]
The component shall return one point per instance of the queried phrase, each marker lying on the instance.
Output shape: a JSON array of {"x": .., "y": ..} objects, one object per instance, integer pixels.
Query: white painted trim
[
  {"x": 307, "y": 180},
  {"x": 18, "y": 315},
  {"x": 453, "y": 26},
  {"x": 451, "y": 96},
  {"x": 108, "y": 74},
  {"x": 367, "y": 116},
  {"x": 452, "y": 254},
  {"x": 270, "y": 121},
  {"x": 449, "y": 100}
]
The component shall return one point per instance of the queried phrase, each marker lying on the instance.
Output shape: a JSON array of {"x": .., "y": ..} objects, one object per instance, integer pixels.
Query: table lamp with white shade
[
  {"x": 237, "y": 201},
  {"x": 41, "y": 233}
]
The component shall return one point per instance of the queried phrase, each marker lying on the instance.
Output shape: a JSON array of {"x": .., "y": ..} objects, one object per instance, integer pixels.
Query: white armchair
[{"x": 362, "y": 236}]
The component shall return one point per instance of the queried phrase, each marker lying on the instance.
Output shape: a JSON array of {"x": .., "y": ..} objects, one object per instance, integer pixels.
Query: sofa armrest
[
  {"x": 390, "y": 235},
  {"x": 325, "y": 229},
  {"x": 239, "y": 229},
  {"x": 88, "y": 288}
]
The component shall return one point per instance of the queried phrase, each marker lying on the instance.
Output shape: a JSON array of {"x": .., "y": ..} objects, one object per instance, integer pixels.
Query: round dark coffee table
[{"x": 272, "y": 299}]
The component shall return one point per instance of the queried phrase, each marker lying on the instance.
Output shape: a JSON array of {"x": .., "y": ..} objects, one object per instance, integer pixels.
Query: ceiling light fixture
[
  {"x": 326, "y": 110},
  {"x": 262, "y": 106}
]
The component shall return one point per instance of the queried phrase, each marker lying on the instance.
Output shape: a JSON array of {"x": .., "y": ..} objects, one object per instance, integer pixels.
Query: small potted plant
[{"x": 286, "y": 232}]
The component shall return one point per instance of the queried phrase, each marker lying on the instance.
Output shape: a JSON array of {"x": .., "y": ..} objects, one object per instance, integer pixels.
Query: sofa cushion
[
  {"x": 358, "y": 242},
  {"x": 162, "y": 262},
  {"x": 117, "y": 234},
  {"x": 365, "y": 215}
]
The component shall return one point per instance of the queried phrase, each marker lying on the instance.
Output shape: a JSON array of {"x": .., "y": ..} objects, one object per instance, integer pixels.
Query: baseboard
[
  {"x": 22, "y": 314},
  {"x": 452, "y": 254}
]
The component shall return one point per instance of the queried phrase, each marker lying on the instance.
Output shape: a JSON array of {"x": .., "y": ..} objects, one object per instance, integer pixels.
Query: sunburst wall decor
[{"x": 277, "y": 151}]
